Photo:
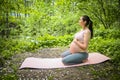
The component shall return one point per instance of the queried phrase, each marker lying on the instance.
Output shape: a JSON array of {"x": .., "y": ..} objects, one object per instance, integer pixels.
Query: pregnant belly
[{"x": 74, "y": 48}]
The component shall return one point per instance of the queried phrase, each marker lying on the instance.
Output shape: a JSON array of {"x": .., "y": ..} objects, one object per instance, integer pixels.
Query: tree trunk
[{"x": 7, "y": 25}]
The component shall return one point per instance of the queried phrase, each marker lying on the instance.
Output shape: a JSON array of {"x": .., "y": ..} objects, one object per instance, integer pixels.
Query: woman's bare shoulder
[{"x": 87, "y": 31}]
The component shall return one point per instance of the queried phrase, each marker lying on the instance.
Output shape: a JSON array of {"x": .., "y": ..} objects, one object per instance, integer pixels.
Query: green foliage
[
  {"x": 9, "y": 77},
  {"x": 36, "y": 24},
  {"x": 107, "y": 33},
  {"x": 13, "y": 46},
  {"x": 52, "y": 18},
  {"x": 105, "y": 12},
  {"x": 107, "y": 41},
  {"x": 13, "y": 12},
  {"x": 110, "y": 47}
]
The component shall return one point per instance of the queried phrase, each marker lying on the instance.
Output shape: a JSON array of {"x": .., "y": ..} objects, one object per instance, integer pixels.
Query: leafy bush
[
  {"x": 9, "y": 77},
  {"x": 108, "y": 33},
  {"x": 52, "y": 41},
  {"x": 109, "y": 47},
  {"x": 112, "y": 49},
  {"x": 12, "y": 46}
]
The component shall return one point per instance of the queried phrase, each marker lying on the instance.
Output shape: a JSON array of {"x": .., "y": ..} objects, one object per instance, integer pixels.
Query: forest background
[{"x": 29, "y": 25}]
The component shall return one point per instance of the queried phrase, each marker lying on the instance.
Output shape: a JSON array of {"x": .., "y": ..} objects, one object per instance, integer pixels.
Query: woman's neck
[{"x": 84, "y": 28}]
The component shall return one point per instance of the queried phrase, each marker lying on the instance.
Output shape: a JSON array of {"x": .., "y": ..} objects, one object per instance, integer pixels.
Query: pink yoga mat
[{"x": 48, "y": 63}]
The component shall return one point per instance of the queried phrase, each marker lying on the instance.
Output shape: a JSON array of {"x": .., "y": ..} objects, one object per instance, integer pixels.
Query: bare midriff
[{"x": 74, "y": 48}]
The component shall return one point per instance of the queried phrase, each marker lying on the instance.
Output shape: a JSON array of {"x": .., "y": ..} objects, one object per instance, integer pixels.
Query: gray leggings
[{"x": 75, "y": 58}]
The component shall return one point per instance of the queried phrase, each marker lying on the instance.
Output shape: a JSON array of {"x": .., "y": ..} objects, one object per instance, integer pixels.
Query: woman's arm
[{"x": 85, "y": 42}]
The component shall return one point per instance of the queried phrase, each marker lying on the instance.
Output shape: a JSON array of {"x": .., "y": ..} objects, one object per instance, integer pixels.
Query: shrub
[
  {"x": 9, "y": 47},
  {"x": 53, "y": 41},
  {"x": 109, "y": 47},
  {"x": 107, "y": 33}
]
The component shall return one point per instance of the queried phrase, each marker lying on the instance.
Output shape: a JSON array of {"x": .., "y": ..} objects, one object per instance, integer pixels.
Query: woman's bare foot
[{"x": 85, "y": 60}]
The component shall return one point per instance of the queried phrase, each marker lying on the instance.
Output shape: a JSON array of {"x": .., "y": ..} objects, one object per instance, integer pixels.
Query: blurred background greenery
[{"x": 28, "y": 25}]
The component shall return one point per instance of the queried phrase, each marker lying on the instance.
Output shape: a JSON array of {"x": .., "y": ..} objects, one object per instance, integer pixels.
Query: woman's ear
[{"x": 85, "y": 22}]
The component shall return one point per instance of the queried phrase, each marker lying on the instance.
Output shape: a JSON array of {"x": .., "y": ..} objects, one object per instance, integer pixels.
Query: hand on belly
[{"x": 74, "y": 48}]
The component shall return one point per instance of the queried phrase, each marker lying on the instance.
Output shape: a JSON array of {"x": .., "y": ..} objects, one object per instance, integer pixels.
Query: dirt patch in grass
[{"x": 103, "y": 71}]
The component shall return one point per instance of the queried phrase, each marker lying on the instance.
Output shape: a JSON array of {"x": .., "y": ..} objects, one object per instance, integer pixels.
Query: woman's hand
[
  {"x": 84, "y": 43},
  {"x": 77, "y": 41}
]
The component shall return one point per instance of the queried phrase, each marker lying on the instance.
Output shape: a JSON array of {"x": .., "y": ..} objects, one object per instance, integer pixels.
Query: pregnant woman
[{"x": 78, "y": 47}]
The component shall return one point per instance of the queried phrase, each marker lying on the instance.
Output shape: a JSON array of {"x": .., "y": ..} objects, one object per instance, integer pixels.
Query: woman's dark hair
[{"x": 88, "y": 22}]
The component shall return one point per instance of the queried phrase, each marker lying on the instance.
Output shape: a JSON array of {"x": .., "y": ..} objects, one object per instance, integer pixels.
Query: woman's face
[{"x": 81, "y": 22}]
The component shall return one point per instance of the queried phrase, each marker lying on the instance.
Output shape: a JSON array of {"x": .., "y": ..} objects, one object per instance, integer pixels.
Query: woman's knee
[
  {"x": 65, "y": 53},
  {"x": 65, "y": 61},
  {"x": 74, "y": 58},
  {"x": 68, "y": 60}
]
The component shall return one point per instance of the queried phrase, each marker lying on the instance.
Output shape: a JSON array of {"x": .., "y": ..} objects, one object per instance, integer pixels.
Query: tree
[
  {"x": 105, "y": 11},
  {"x": 11, "y": 10}
]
